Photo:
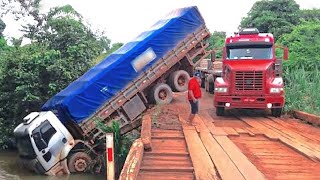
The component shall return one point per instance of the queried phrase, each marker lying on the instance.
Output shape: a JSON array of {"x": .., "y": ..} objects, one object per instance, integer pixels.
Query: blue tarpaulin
[{"x": 98, "y": 85}]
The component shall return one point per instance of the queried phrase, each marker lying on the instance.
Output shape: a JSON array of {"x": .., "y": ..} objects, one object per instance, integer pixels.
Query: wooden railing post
[{"x": 110, "y": 156}]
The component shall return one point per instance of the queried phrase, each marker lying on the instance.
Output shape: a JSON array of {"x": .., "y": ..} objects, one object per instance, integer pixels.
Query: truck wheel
[
  {"x": 161, "y": 94},
  {"x": 178, "y": 81},
  {"x": 219, "y": 111},
  {"x": 211, "y": 87},
  {"x": 276, "y": 112},
  {"x": 203, "y": 82},
  {"x": 209, "y": 84},
  {"x": 78, "y": 162}
]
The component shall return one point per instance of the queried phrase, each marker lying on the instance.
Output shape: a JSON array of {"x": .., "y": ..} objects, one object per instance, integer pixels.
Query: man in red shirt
[{"x": 194, "y": 94}]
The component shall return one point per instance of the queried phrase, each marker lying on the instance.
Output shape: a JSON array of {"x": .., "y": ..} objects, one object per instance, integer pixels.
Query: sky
[{"x": 123, "y": 20}]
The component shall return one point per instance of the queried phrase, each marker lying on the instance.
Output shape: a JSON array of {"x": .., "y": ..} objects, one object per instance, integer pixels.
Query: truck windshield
[
  {"x": 42, "y": 134},
  {"x": 256, "y": 52},
  {"x": 25, "y": 147}
]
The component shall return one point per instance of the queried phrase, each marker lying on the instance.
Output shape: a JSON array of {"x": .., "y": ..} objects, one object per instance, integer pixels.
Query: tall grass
[{"x": 302, "y": 86}]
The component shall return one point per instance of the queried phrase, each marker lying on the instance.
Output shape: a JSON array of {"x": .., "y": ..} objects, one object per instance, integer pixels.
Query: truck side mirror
[
  {"x": 213, "y": 56},
  {"x": 285, "y": 53}
]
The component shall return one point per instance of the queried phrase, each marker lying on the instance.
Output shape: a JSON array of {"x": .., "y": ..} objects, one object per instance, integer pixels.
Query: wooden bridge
[{"x": 240, "y": 145}]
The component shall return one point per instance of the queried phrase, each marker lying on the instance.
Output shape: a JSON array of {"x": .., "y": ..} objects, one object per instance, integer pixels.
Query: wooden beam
[
  {"x": 225, "y": 166},
  {"x": 208, "y": 121},
  {"x": 146, "y": 132},
  {"x": 272, "y": 134},
  {"x": 247, "y": 169},
  {"x": 311, "y": 118},
  {"x": 133, "y": 161},
  {"x": 202, "y": 164}
]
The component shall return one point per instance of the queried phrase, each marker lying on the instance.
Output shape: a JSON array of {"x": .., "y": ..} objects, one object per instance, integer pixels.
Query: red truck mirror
[
  {"x": 213, "y": 56},
  {"x": 285, "y": 53}
]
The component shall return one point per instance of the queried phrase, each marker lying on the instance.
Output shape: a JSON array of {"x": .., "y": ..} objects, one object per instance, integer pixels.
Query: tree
[
  {"x": 2, "y": 27},
  {"x": 310, "y": 15},
  {"x": 105, "y": 43},
  {"x": 302, "y": 71},
  {"x": 62, "y": 49},
  {"x": 304, "y": 45},
  {"x": 22, "y": 8},
  {"x": 276, "y": 16},
  {"x": 217, "y": 41},
  {"x": 24, "y": 85},
  {"x": 115, "y": 47}
]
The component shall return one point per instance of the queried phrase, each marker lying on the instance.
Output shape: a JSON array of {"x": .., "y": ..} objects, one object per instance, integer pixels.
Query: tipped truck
[{"x": 64, "y": 136}]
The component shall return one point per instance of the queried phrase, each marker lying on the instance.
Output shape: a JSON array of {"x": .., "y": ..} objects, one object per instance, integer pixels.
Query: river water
[{"x": 9, "y": 170}]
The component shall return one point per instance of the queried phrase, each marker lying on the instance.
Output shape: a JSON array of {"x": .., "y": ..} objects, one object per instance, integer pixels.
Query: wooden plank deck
[{"x": 203, "y": 166}]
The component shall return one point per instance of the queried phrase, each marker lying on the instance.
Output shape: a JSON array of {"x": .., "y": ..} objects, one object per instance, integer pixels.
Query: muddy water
[{"x": 9, "y": 170}]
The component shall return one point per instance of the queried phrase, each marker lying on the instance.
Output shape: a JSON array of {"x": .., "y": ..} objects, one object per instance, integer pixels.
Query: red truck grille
[{"x": 249, "y": 81}]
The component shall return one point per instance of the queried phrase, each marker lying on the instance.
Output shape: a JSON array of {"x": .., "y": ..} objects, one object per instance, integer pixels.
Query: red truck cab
[{"x": 251, "y": 74}]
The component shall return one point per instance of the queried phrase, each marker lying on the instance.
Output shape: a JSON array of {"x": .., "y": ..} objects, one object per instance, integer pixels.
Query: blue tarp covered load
[{"x": 98, "y": 85}]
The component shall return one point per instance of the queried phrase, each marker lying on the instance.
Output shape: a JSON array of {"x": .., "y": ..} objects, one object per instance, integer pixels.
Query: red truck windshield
[{"x": 249, "y": 52}]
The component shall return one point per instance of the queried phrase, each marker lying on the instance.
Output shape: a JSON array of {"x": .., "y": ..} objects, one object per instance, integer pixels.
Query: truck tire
[
  {"x": 161, "y": 94},
  {"x": 203, "y": 82},
  {"x": 178, "y": 81},
  {"x": 79, "y": 162},
  {"x": 209, "y": 84},
  {"x": 276, "y": 112},
  {"x": 219, "y": 111},
  {"x": 211, "y": 87}
]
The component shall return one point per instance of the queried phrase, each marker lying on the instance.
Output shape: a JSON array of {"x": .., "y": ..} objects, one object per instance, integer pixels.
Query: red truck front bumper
[{"x": 252, "y": 102}]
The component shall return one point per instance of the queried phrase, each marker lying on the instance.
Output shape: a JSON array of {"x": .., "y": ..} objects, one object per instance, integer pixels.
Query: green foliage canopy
[
  {"x": 2, "y": 27},
  {"x": 304, "y": 45},
  {"x": 275, "y": 16},
  {"x": 216, "y": 41},
  {"x": 310, "y": 15},
  {"x": 62, "y": 49}
]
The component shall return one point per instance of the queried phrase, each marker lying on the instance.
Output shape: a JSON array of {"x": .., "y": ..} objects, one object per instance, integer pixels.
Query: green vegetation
[
  {"x": 273, "y": 16},
  {"x": 122, "y": 143},
  {"x": 302, "y": 71},
  {"x": 216, "y": 41},
  {"x": 62, "y": 48},
  {"x": 310, "y": 15},
  {"x": 302, "y": 90},
  {"x": 2, "y": 27},
  {"x": 304, "y": 45}
]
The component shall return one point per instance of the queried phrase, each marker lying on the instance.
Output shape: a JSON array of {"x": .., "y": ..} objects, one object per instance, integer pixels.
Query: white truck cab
[{"x": 44, "y": 143}]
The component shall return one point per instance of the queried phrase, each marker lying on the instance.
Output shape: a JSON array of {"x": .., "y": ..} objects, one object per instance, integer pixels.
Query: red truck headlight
[
  {"x": 221, "y": 89},
  {"x": 276, "y": 90}
]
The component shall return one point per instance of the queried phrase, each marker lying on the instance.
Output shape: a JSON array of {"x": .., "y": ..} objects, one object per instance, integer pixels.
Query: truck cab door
[{"x": 49, "y": 141}]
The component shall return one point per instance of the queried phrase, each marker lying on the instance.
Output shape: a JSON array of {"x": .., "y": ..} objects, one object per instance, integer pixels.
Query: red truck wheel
[
  {"x": 276, "y": 112},
  {"x": 219, "y": 111},
  {"x": 178, "y": 81}
]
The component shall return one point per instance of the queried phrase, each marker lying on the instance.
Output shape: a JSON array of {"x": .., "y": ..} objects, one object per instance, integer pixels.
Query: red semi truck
[{"x": 251, "y": 74}]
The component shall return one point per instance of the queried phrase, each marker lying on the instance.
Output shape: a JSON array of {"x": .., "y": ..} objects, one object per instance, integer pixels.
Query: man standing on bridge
[{"x": 194, "y": 94}]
